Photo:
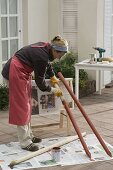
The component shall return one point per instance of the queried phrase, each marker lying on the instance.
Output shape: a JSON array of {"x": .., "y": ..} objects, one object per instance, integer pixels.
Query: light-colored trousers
[{"x": 25, "y": 135}]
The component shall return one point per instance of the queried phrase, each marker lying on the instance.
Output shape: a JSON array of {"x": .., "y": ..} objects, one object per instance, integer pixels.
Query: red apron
[{"x": 19, "y": 93}]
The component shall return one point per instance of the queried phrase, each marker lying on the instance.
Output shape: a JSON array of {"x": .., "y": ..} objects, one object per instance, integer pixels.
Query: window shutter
[
  {"x": 70, "y": 27},
  {"x": 108, "y": 27},
  {"x": 107, "y": 36}
]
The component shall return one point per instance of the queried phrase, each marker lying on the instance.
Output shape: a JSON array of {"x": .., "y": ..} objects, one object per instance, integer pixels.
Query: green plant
[
  {"x": 66, "y": 66},
  {"x": 4, "y": 99},
  {"x": 83, "y": 77}
]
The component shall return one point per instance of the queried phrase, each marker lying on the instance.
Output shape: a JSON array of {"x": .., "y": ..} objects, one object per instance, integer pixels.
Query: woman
[{"x": 35, "y": 57}]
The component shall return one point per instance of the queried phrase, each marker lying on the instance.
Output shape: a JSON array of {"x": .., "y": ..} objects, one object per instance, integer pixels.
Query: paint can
[{"x": 56, "y": 154}]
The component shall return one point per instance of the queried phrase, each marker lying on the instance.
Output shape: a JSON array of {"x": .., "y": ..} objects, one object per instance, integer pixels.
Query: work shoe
[
  {"x": 36, "y": 140},
  {"x": 31, "y": 147}
]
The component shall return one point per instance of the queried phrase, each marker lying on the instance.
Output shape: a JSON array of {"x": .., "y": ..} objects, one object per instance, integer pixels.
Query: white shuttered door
[
  {"x": 69, "y": 24},
  {"x": 107, "y": 35},
  {"x": 108, "y": 27},
  {"x": 10, "y": 29}
]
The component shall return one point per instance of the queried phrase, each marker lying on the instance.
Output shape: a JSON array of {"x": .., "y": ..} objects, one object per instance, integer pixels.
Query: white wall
[
  {"x": 54, "y": 18},
  {"x": 90, "y": 28},
  {"x": 87, "y": 27},
  {"x": 41, "y": 20},
  {"x": 35, "y": 21},
  {"x": 25, "y": 22},
  {"x": 100, "y": 23}
]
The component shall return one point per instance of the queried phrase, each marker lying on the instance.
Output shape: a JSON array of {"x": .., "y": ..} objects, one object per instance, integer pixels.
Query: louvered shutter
[
  {"x": 70, "y": 28},
  {"x": 107, "y": 36},
  {"x": 108, "y": 27},
  {"x": 112, "y": 31}
]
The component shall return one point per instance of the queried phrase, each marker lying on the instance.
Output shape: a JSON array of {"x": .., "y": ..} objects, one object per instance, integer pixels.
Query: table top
[{"x": 94, "y": 66}]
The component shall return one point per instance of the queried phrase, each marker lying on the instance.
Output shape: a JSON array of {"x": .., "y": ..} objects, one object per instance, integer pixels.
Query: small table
[{"x": 99, "y": 66}]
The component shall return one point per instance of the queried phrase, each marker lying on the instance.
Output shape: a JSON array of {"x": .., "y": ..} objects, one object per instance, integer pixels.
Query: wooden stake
[
  {"x": 74, "y": 123},
  {"x": 84, "y": 114}
]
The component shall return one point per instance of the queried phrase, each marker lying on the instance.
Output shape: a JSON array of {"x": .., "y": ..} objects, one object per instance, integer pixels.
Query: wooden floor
[{"x": 98, "y": 107}]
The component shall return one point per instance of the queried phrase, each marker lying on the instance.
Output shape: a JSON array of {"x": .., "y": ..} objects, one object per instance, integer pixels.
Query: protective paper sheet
[{"x": 71, "y": 153}]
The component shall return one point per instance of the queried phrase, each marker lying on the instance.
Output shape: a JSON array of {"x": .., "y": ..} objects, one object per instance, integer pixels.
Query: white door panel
[
  {"x": 10, "y": 34},
  {"x": 107, "y": 37},
  {"x": 10, "y": 25}
]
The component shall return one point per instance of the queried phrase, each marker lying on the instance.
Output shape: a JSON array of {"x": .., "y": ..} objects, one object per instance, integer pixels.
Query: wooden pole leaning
[
  {"x": 74, "y": 123},
  {"x": 84, "y": 114},
  {"x": 43, "y": 150}
]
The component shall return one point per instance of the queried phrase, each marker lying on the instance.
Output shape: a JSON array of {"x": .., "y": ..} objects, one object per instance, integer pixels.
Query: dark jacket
[{"x": 38, "y": 57}]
